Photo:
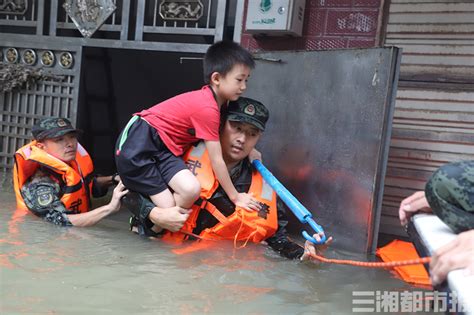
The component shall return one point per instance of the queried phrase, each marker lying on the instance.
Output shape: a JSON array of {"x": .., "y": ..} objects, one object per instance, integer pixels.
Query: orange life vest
[
  {"x": 77, "y": 176},
  {"x": 242, "y": 225}
]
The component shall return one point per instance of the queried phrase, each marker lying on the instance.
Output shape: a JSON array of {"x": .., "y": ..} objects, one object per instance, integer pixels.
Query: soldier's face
[
  {"x": 63, "y": 147},
  {"x": 237, "y": 140}
]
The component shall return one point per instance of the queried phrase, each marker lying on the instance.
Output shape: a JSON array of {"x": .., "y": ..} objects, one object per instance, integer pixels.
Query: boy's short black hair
[{"x": 222, "y": 56}]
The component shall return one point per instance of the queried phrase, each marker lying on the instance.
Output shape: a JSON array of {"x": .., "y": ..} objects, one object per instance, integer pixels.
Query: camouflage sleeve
[
  {"x": 280, "y": 241},
  {"x": 450, "y": 193},
  {"x": 41, "y": 196}
]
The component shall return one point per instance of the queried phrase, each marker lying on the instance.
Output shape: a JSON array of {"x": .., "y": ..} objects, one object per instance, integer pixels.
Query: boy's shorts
[{"x": 143, "y": 161}]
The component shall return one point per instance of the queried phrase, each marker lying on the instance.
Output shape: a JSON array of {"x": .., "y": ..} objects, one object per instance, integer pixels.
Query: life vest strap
[
  {"x": 216, "y": 213},
  {"x": 71, "y": 189}
]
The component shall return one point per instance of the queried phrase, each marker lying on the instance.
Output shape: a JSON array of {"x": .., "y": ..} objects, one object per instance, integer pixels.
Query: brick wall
[{"x": 328, "y": 24}]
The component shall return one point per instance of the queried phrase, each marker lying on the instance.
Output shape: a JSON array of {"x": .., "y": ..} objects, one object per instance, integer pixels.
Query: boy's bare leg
[
  {"x": 163, "y": 199},
  {"x": 186, "y": 188},
  {"x": 163, "y": 202},
  {"x": 173, "y": 209}
]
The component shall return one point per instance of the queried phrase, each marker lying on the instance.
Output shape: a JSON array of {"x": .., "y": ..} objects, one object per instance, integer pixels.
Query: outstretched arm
[
  {"x": 286, "y": 247},
  {"x": 41, "y": 196},
  {"x": 94, "y": 216},
  {"x": 279, "y": 242}
]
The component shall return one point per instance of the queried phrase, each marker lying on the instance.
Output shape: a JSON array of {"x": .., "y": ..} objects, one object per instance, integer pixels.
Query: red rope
[{"x": 391, "y": 264}]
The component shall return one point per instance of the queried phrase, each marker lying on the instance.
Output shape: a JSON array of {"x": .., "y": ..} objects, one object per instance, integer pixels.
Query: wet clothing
[
  {"x": 241, "y": 176},
  {"x": 50, "y": 188},
  {"x": 42, "y": 196},
  {"x": 75, "y": 175},
  {"x": 185, "y": 119},
  {"x": 238, "y": 225},
  {"x": 450, "y": 193},
  {"x": 144, "y": 163}
]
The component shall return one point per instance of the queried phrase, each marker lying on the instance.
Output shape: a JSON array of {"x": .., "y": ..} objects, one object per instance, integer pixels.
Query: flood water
[{"x": 47, "y": 269}]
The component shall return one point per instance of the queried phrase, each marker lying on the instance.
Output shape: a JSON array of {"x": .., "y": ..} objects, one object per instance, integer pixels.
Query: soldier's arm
[
  {"x": 286, "y": 247},
  {"x": 94, "y": 216},
  {"x": 41, "y": 196},
  {"x": 450, "y": 193},
  {"x": 280, "y": 242}
]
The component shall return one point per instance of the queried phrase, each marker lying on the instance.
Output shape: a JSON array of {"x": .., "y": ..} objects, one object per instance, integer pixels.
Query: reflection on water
[{"x": 48, "y": 269}]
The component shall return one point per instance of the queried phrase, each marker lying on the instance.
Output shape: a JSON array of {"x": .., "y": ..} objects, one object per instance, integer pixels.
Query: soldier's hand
[
  {"x": 414, "y": 203},
  {"x": 457, "y": 254},
  {"x": 171, "y": 219},
  {"x": 119, "y": 192},
  {"x": 311, "y": 249}
]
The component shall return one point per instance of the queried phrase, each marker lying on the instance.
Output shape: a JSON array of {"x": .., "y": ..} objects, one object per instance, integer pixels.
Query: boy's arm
[{"x": 220, "y": 169}]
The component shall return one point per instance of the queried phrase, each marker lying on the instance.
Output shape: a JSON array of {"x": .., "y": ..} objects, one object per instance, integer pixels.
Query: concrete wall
[{"x": 328, "y": 24}]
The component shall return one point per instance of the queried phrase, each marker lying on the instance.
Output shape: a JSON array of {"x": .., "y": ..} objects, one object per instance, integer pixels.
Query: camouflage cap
[
  {"x": 249, "y": 111},
  {"x": 51, "y": 128}
]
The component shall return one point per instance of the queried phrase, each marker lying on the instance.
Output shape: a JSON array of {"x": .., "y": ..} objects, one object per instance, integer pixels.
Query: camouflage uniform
[
  {"x": 41, "y": 194},
  {"x": 241, "y": 176},
  {"x": 450, "y": 193}
]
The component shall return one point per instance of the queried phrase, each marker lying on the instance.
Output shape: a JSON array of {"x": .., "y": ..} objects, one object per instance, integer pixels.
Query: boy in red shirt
[{"x": 149, "y": 148}]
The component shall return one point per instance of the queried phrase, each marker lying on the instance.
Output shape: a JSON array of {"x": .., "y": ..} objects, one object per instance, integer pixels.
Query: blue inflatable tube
[{"x": 295, "y": 206}]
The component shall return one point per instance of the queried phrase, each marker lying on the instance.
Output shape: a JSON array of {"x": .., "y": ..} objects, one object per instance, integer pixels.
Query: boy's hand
[
  {"x": 255, "y": 155},
  {"x": 247, "y": 202}
]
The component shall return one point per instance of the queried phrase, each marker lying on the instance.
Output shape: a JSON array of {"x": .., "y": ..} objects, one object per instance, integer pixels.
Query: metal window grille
[
  {"x": 116, "y": 25},
  {"x": 150, "y": 21},
  {"x": 22, "y": 17},
  {"x": 55, "y": 95}
]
